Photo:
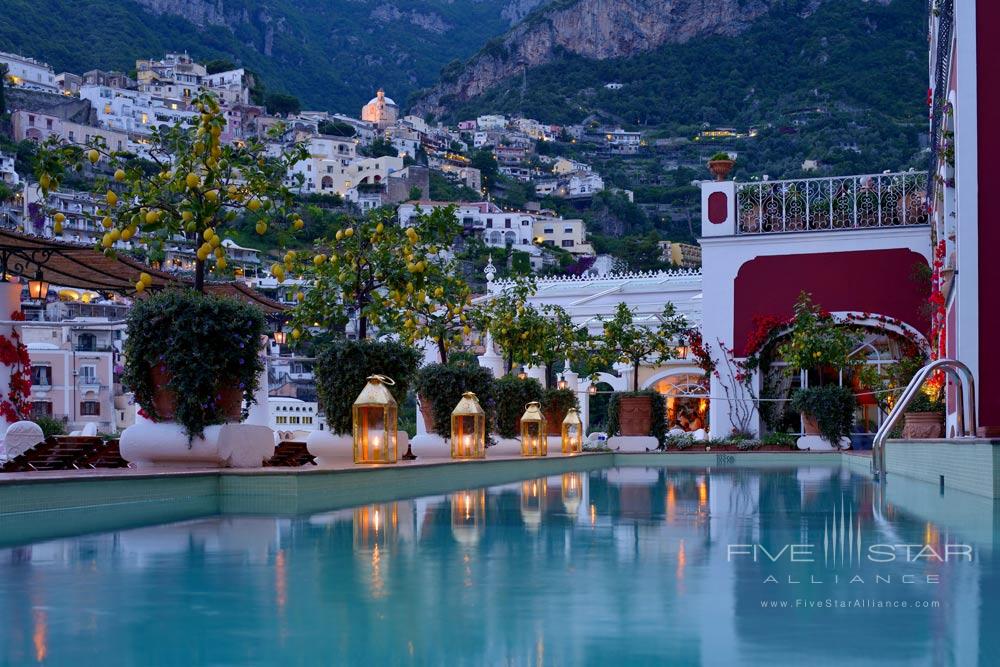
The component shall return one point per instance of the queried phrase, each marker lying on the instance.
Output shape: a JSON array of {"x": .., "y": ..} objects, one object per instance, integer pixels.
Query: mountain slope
[
  {"x": 591, "y": 29},
  {"x": 333, "y": 54}
]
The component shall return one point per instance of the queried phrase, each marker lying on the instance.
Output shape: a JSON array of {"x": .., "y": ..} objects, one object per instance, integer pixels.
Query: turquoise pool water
[{"x": 624, "y": 566}]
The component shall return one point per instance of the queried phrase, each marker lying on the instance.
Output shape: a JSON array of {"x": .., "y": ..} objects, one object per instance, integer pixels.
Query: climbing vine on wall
[{"x": 14, "y": 354}]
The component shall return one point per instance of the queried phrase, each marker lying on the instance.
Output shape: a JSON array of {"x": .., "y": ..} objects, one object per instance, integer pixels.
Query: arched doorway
[{"x": 687, "y": 399}]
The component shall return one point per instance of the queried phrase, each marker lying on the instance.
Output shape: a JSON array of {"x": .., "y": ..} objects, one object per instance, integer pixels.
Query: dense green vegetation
[
  {"x": 844, "y": 86},
  {"x": 332, "y": 55}
]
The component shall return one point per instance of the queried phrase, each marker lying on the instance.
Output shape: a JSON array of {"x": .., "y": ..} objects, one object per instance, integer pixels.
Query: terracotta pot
[
  {"x": 635, "y": 415},
  {"x": 720, "y": 168},
  {"x": 923, "y": 425},
  {"x": 165, "y": 400},
  {"x": 553, "y": 421},
  {"x": 810, "y": 426},
  {"x": 427, "y": 412}
]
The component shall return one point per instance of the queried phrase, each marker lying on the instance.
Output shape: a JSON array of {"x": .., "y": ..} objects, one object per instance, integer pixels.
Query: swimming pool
[{"x": 624, "y": 565}]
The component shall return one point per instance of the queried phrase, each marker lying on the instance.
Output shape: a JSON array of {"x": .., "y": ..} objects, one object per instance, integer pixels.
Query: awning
[{"x": 83, "y": 267}]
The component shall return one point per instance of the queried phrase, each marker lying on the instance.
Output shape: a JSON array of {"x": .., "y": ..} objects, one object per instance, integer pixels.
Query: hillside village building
[{"x": 381, "y": 111}]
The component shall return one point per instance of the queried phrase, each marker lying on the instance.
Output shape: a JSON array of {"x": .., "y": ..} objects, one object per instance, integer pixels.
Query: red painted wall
[
  {"x": 988, "y": 101},
  {"x": 874, "y": 281}
]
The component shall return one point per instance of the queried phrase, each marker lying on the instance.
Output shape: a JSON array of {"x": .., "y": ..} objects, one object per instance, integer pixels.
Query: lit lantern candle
[
  {"x": 534, "y": 439},
  {"x": 572, "y": 432},
  {"x": 375, "y": 422},
  {"x": 468, "y": 428}
]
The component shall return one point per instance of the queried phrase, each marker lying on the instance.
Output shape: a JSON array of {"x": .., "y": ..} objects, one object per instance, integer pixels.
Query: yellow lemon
[
  {"x": 107, "y": 222},
  {"x": 254, "y": 205},
  {"x": 299, "y": 223},
  {"x": 115, "y": 234},
  {"x": 296, "y": 334},
  {"x": 111, "y": 198},
  {"x": 349, "y": 232},
  {"x": 145, "y": 278},
  {"x": 221, "y": 263},
  {"x": 261, "y": 227},
  {"x": 57, "y": 228},
  {"x": 192, "y": 181},
  {"x": 379, "y": 228},
  {"x": 187, "y": 216},
  {"x": 120, "y": 175},
  {"x": 319, "y": 259},
  {"x": 107, "y": 241},
  {"x": 93, "y": 156},
  {"x": 139, "y": 287},
  {"x": 339, "y": 235},
  {"x": 45, "y": 180},
  {"x": 59, "y": 217},
  {"x": 152, "y": 217},
  {"x": 212, "y": 196},
  {"x": 208, "y": 234},
  {"x": 300, "y": 297}
]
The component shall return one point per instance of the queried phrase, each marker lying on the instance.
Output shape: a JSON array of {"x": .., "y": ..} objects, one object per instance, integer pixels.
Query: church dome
[{"x": 388, "y": 100}]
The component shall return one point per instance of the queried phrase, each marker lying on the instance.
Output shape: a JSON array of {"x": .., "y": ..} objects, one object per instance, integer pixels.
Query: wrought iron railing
[{"x": 824, "y": 204}]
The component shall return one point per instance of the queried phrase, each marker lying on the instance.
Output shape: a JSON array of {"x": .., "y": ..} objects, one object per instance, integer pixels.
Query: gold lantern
[
  {"x": 468, "y": 428},
  {"x": 534, "y": 439},
  {"x": 375, "y": 422},
  {"x": 572, "y": 432}
]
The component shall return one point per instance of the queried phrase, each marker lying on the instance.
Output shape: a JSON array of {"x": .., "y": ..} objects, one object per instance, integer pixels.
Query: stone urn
[
  {"x": 230, "y": 398},
  {"x": 720, "y": 168},
  {"x": 923, "y": 425},
  {"x": 635, "y": 415}
]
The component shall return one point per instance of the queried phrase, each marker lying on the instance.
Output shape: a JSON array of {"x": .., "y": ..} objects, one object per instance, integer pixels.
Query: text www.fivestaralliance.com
[{"x": 851, "y": 603}]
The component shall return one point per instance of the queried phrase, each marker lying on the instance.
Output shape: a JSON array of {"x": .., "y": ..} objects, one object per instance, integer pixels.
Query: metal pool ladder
[{"x": 965, "y": 385}]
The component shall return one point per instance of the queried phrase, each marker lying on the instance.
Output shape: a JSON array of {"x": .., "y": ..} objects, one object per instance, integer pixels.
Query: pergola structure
[{"x": 83, "y": 267}]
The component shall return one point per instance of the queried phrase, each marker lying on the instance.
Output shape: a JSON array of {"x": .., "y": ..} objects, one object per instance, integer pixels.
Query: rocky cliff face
[{"x": 595, "y": 29}]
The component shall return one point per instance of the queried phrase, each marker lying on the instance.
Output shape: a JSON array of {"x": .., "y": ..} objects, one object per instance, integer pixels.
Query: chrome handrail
[{"x": 966, "y": 414}]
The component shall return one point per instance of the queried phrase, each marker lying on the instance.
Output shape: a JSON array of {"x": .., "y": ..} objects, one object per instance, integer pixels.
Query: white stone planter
[
  {"x": 632, "y": 444},
  {"x": 147, "y": 444},
  {"x": 332, "y": 449}
]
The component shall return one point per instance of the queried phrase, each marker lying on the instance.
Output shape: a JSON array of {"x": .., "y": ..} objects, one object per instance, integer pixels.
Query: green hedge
[
  {"x": 444, "y": 384},
  {"x": 342, "y": 370},
  {"x": 832, "y": 406},
  {"x": 512, "y": 394}
]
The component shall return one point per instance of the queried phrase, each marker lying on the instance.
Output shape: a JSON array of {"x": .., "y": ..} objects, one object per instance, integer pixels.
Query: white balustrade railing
[{"x": 823, "y": 204}]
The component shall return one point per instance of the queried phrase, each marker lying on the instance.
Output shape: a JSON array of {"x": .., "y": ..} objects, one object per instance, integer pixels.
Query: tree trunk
[
  {"x": 199, "y": 275},
  {"x": 362, "y": 327},
  {"x": 442, "y": 350},
  {"x": 635, "y": 377}
]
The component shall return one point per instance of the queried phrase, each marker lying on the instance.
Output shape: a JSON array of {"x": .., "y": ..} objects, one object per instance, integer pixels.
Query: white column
[
  {"x": 537, "y": 372},
  {"x": 583, "y": 393},
  {"x": 260, "y": 412},
  {"x": 490, "y": 359}
]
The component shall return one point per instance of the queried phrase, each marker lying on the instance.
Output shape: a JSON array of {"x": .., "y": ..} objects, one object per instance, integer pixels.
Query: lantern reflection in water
[
  {"x": 375, "y": 525},
  {"x": 533, "y": 502},
  {"x": 468, "y": 516},
  {"x": 571, "y": 486}
]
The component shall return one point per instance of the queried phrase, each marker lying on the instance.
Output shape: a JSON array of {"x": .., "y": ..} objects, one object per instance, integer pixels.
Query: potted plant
[
  {"x": 819, "y": 347},
  {"x": 193, "y": 358},
  {"x": 555, "y": 404},
  {"x": 445, "y": 384},
  {"x": 630, "y": 343},
  {"x": 832, "y": 408},
  {"x": 512, "y": 394},
  {"x": 720, "y": 165},
  {"x": 653, "y": 414},
  {"x": 924, "y": 416}
]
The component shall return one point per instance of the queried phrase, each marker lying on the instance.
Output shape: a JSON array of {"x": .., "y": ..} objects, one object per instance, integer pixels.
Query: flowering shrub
[{"x": 14, "y": 354}]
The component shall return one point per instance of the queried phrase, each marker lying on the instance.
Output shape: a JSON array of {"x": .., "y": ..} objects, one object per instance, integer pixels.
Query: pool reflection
[{"x": 639, "y": 558}]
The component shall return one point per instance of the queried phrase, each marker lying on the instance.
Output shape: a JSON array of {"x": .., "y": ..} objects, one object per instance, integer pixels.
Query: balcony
[{"x": 829, "y": 204}]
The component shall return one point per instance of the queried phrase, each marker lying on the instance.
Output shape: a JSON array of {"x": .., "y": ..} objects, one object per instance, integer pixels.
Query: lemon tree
[
  {"x": 561, "y": 338},
  {"x": 629, "y": 342},
  {"x": 517, "y": 327},
  {"x": 378, "y": 273},
  {"x": 188, "y": 185}
]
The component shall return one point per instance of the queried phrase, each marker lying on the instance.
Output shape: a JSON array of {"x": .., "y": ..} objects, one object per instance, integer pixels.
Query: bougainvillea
[{"x": 14, "y": 354}]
